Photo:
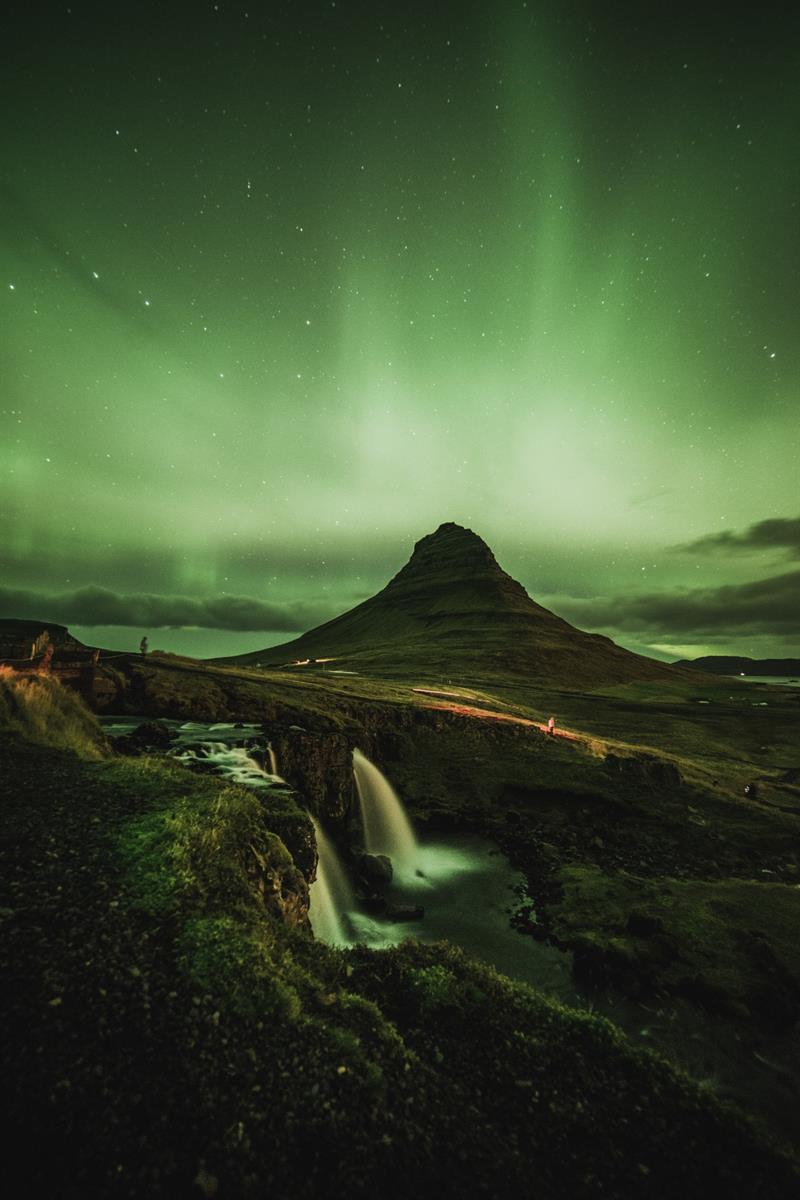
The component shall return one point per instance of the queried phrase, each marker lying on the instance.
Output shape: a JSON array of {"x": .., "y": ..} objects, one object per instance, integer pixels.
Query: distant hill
[
  {"x": 722, "y": 664},
  {"x": 17, "y": 637},
  {"x": 453, "y": 610}
]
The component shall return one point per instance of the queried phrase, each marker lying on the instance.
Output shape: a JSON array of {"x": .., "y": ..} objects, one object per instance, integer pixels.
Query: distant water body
[{"x": 776, "y": 680}]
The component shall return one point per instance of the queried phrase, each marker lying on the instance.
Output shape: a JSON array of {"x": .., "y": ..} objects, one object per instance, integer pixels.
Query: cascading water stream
[
  {"x": 273, "y": 762},
  {"x": 231, "y": 762},
  {"x": 330, "y": 894},
  {"x": 387, "y": 829}
]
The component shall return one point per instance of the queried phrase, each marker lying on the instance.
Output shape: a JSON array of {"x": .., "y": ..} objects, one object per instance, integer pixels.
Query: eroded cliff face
[
  {"x": 285, "y": 814},
  {"x": 283, "y": 887},
  {"x": 449, "y": 766},
  {"x": 441, "y": 761},
  {"x": 438, "y": 757},
  {"x": 318, "y": 764}
]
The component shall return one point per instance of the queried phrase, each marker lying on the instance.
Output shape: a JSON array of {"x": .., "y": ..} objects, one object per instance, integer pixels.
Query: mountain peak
[
  {"x": 454, "y": 563},
  {"x": 452, "y": 526},
  {"x": 454, "y": 543},
  {"x": 450, "y": 530}
]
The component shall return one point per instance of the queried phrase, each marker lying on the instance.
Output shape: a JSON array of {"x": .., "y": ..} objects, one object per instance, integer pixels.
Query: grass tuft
[{"x": 40, "y": 709}]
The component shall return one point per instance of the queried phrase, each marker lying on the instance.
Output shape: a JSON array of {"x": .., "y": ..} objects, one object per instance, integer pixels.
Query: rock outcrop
[{"x": 281, "y": 884}]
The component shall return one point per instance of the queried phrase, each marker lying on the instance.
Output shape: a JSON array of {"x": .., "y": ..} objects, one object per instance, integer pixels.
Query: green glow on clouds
[{"x": 278, "y": 301}]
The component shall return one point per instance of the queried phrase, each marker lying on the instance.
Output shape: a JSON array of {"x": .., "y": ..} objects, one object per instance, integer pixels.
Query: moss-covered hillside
[{"x": 171, "y": 1027}]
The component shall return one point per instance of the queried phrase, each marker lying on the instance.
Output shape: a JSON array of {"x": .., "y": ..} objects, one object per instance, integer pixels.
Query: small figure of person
[
  {"x": 143, "y": 647},
  {"x": 751, "y": 791},
  {"x": 551, "y": 726}
]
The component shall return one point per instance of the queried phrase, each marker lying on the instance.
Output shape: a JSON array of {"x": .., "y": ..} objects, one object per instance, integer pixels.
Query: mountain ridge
[{"x": 451, "y": 609}]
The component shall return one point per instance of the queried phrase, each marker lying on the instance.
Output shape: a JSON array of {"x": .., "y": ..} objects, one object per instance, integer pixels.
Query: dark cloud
[
  {"x": 100, "y": 606},
  {"x": 777, "y": 533},
  {"x": 765, "y": 606}
]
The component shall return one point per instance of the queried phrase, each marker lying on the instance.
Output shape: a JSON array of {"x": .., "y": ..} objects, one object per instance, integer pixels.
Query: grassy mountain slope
[{"x": 453, "y": 610}]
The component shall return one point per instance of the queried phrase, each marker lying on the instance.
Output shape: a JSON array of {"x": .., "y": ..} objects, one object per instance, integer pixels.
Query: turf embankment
[
  {"x": 170, "y": 1029},
  {"x": 730, "y": 944}
]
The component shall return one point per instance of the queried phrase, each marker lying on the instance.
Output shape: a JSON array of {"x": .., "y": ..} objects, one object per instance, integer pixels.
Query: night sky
[{"x": 285, "y": 287}]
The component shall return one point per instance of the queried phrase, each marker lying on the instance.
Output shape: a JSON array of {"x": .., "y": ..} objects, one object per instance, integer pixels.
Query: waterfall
[
  {"x": 273, "y": 762},
  {"x": 231, "y": 762},
  {"x": 331, "y": 895},
  {"x": 387, "y": 829}
]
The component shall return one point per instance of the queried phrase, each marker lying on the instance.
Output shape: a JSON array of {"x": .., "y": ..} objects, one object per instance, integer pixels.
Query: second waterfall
[
  {"x": 331, "y": 893},
  {"x": 387, "y": 829}
]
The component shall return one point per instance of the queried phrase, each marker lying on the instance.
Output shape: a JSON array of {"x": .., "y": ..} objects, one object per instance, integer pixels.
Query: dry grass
[{"x": 40, "y": 709}]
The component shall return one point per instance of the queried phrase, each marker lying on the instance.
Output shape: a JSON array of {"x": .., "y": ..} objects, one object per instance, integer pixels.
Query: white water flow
[
  {"x": 330, "y": 894},
  {"x": 387, "y": 829},
  {"x": 273, "y": 762},
  {"x": 232, "y": 762}
]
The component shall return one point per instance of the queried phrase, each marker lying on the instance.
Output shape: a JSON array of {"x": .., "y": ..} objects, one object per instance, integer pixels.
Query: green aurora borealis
[{"x": 283, "y": 290}]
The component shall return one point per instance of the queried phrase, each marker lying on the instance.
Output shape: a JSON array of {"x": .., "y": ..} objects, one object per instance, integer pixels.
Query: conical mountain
[{"x": 452, "y": 612}]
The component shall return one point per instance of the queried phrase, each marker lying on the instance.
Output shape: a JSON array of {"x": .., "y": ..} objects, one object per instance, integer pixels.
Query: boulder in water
[
  {"x": 150, "y": 735},
  {"x": 201, "y": 765},
  {"x": 376, "y": 868},
  {"x": 154, "y": 733}
]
